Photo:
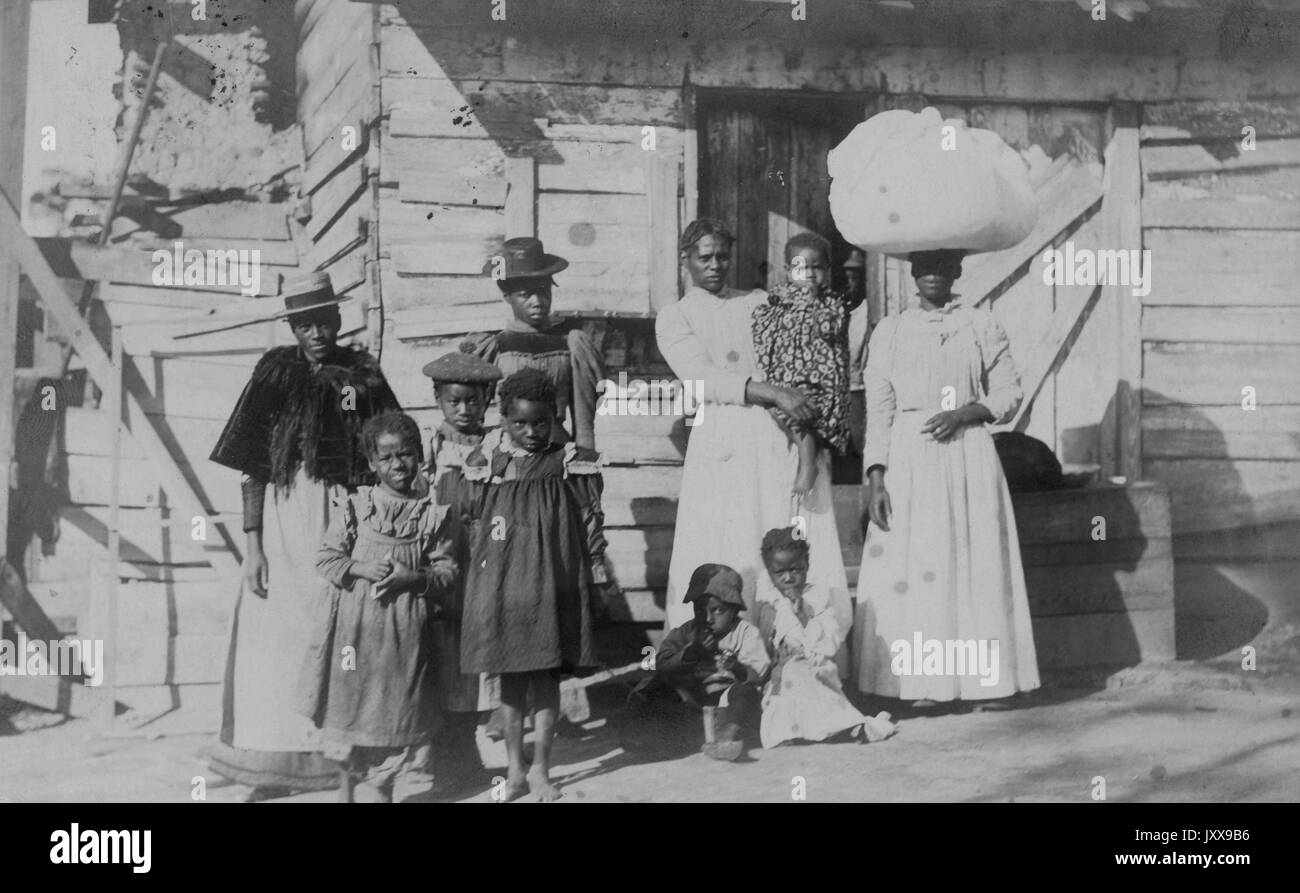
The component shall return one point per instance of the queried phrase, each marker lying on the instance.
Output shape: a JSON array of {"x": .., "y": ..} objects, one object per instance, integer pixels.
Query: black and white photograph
[{"x": 651, "y": 401}]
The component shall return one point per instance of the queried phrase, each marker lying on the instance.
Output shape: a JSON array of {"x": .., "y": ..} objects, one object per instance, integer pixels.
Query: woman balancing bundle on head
[
  {"x": 941, "y": 558},
  {"x": 537, "y": 534},
  {"x": 801, "y": 339},
  {"x": 388, "y": 565}
]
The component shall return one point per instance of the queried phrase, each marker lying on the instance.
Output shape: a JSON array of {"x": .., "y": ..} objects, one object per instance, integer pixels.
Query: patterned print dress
[{"x": 801, "y": 338}]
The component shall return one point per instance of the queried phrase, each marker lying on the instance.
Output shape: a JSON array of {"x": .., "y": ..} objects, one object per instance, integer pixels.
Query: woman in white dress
[
  {"x": 942, "y": 612},
  {"x": 740, "y": 467}
]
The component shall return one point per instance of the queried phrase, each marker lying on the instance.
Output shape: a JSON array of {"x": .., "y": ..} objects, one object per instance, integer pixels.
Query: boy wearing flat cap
[
  {"x": 716, "y": 661},
  {"x": 460, "y": 387}
]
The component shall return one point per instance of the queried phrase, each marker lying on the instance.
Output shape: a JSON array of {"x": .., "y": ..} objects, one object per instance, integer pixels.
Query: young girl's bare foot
[
  {"x": 803, "y": 481},
  {"x": 516, "y": 786},
  {"x": 540, "y": 785}
]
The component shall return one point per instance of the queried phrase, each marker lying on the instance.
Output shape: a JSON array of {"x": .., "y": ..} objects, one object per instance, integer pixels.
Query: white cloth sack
[{"x": 896, "y": 189}]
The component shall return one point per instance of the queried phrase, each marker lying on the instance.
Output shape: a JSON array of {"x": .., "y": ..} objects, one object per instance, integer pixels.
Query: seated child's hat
[
  {"x": 717, "y": 580},
  {"x": 462, "y": 368}
]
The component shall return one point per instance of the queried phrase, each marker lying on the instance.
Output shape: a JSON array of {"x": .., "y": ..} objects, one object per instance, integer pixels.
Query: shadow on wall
[{"x": 1214, "y": 522}]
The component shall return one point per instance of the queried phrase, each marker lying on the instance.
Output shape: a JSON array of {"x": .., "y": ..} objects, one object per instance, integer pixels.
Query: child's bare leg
[
  {"x": 514, "y": 701},
  {"x": 546, "y": 701},
  {"x": 806, "y": 476}
]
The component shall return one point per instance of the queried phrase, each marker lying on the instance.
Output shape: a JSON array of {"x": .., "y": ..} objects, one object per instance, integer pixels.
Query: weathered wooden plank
[
  {"x": 664, "y": 182},
  {"x": 326, "y": 129},
  {"x": 88, "y": 483},
  {"x": 595, "y": 228},
  {"x": 1221, "y": 432},
  {"x": 521, "y": 206},
  {"x": 1112, "y": 639},
  {"x": 1266, "y": 543},
  {"x": 350, "y": 232},
  {"x": 1256, "y": 185},
  {"x": 756, "y": 63},
  {"x": 1216, "y": 119},
  {"x": 217, "y": 220},
  {"x": 1217, "y": 213},
  {"x": 1209, "y": 374},
  {"x": 433, "y": 187},
  {"x": 1222, "y": 325},
  {"x": 1067, "y": 323},
  {"x": 339, "y": 201},
  {"x": 425, "y": 294},
  {"x": 330, "y": 52},
  {"x": 136, "y": 266},
  {"x": 1100, "y": 588},
  {"x": 448, "y": 157},
  {"x": 1167, "y": 162},
  {"x": 147, "y": 536},
  {"x": 1204, "y": 268},
  {"x": 489, "y": 108},
  {"x": 1122, "y": 224},
  {"x": 1135, "y": 512},
  {"x": 1212, "y": 494}
]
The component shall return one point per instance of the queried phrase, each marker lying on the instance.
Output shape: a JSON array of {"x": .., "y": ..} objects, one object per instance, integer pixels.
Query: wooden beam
[
  {"x": 521, "y": 197},
  {"x": 14, "y": 33},
  {"x": 1051, "y": 352},
  {"x": 1121, "y": 227},
  {"x": 663, "y": 178},
  {"x": 77, "y": 329}
]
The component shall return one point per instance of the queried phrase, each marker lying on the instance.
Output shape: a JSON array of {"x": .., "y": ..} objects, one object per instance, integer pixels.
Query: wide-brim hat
[
  {"x": 299, "y": 295},
  {"x": 719, "y": 581},
  {"x": 857, "y": 260},
  {"x": 523, "y": 258}
]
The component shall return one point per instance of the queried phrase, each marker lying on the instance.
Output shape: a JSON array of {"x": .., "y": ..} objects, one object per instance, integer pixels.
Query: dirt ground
[{"x": 1181, "y": 732}]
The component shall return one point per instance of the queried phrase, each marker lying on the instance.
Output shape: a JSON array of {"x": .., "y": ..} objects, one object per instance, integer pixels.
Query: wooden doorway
[{"x": 763, "y": 171}]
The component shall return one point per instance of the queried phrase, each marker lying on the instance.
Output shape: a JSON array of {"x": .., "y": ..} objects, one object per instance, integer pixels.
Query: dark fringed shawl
[{"x": 290, "y": 416}]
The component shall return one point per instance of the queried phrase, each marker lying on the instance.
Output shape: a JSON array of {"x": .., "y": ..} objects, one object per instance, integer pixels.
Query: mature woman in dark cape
[{"x": 294, "y": 434}]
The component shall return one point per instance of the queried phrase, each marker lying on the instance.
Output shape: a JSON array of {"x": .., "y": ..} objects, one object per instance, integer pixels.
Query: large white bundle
[{"x": 895, "y": 188}]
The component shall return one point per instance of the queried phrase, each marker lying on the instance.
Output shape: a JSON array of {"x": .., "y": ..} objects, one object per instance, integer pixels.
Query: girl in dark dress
[{"x": 537, "y": 532}]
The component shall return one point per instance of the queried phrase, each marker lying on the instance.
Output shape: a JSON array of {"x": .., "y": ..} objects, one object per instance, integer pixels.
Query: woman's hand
[
  {"x": 255, "y": 570},
  {"x": 879, "y": 510},
  {"x": 374, "y": 571},
  {"x": 794, "y": 404},
  {"x": 944, "y": 425}
]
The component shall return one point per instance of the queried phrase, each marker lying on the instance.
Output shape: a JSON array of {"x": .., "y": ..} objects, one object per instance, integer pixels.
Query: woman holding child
[{"x": 741, "y": 467}]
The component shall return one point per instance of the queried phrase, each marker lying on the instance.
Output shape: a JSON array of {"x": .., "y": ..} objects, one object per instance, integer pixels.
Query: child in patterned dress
[{"x": 801, "y": 339}]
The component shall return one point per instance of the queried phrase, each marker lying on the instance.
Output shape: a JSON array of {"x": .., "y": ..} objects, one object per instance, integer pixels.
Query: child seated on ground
[
  {"x": 716, "y": 661},
  {"x": 801, "y": 339},
  {"x": 804, "y": 700}
]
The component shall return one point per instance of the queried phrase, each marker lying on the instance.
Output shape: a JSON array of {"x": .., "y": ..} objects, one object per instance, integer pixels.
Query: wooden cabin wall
[
  {"x": 222, "y": 175},
  {"x": 1220, "y": 338},
  {"x": 492, "y": 129},
  {"x": 337, "y": 90}
]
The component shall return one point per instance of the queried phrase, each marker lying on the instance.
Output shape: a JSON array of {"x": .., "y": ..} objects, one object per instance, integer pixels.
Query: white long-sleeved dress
[
  {"x": 740, "y": 466},
  {"x": 948, "y": 570}
]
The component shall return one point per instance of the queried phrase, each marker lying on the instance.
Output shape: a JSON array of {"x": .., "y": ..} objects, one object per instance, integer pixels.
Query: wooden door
[{"x": 763, "y": 172}]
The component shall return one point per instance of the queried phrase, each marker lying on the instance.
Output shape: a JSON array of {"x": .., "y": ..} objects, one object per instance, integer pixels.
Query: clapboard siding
[{"x": 1221, "y": 328}]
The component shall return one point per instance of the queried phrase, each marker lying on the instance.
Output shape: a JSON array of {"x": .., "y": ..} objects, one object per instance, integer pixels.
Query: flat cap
[{"x": 462, "y": 368}]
